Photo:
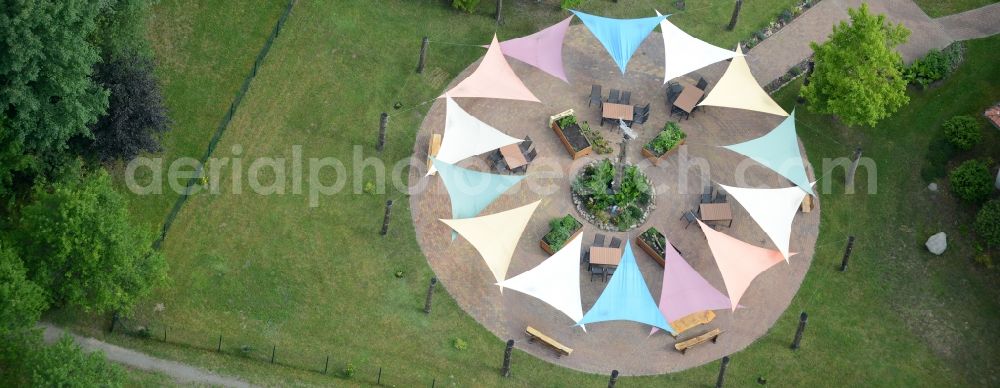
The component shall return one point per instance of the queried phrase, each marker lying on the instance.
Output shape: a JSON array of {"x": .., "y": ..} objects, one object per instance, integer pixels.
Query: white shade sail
[
  {"x": 738, "y": 89},
  {"x": 495, "y": 236},
  {"x": 773, "y": 209},
  {"x": 555, "y": 281},
  {"x": 685, "y": 53},
  {"x": 465, "y": 136}
]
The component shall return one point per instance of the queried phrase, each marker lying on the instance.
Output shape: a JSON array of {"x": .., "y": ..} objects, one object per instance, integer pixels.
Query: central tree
[{"x": 857, "y": 73}]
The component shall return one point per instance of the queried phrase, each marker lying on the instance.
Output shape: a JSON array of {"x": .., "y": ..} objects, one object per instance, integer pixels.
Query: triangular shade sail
[
  {"x": 472, "y": 191},
  {"x": 493, "y": 79},
  {"x": 779, "y": 151},
  {"x": 542, "y": 49},
  {"x": 685, "y": 291},
  {"x": 555, "y": 281},
  {"x": 495, "y": 236},
  {"x": 685, "y": 53},
  {"x": 739, "y": 262},
  {"x": 772, "y": 209},
  {"x": 626, "y": 298},
  {"x": 465, "y": 136},
  {"x": 621, "y": 37},
  {"x": 738, "y": 89}
]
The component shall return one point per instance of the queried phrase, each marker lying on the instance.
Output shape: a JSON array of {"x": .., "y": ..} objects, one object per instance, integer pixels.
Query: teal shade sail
[
  {"x": 779, "y": 151},
  {"x": 472, "y": 191}
]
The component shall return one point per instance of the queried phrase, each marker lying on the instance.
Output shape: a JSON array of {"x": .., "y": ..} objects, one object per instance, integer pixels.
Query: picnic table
[
  {"x": 688, "y": 98},
  {"x": 513, "y": 156},
  {"x": 717, "y": 212},
  {"x": 606, "y": 256},
  {"x": 616, "y": 112}
]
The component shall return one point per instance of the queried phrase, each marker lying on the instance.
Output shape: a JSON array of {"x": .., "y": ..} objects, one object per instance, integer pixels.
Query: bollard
[
  {"x": 722, "y": 372},
  {"x": 505, "y": 370},
  {"x": 385, "y": 219},
  {"x": 423, "y": 55},
  {"x": 803, "y": 318},
  {"x": 736, "y": 15},
  {"x": 326, "y": 366},
  {"x": 847, "y": 253},
  {"x": 164, "y": 334},
  {"x": 219, "y": 348},
  {"x": 430, "y": 293},
  {"x": 272, "y": 353},
  {"x": 378, "y": 380},
  {"x": 383, "y": 121},
  {"x": 614, "y": 379}
]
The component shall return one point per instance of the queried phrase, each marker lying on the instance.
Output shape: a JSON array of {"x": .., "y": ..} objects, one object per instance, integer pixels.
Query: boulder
[
  {"x": 932, "y": 187},
  {"x": 937, "y": 243}
]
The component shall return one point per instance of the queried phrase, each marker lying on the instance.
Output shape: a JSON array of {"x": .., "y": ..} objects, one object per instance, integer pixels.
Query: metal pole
[
  {"x": 847, "y": 253},
  {"x": 385, "y": 219},
  {"x": 803, "y": 318},
  {"x": 423, "y": 55},
  {"x": 430, "y": 293},
  {"x": 505, "y": 370},
  {"x": 736, "y": 15},
  {"x": 722, "y": 372},
  {"x": 383, "y": 121},
  {"x": 614, "y": 379}
]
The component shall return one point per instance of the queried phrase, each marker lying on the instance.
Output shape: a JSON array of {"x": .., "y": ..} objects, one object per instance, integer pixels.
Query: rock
[
  {"x": 932, "y": 187},
  {"x": 997, "y": 184},
  {"x": 937, "y": 243}
]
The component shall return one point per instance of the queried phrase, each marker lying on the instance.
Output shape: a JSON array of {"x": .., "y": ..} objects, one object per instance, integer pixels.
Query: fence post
[
  {"x": 219, "y": 348},
  {"x": 614, "y": 379},
  {"x": 803, "y": 318},
  {"x": 164, "y": 334},
  {"x": 430, "y": 293},
  {"x": 847, "y": 253},
  {"x": 383, "y": 121},
  {"x": 722, "y": 372},
  {"x": 849, "y": 179},
  {"x": 423, "y": 55},
  {"x": 273, "y": 347},
  {"x": 499, "y": 8},
  {"x": 736, "y": 15},
  {"x": 326, "y": 366},
  {"x": 385, "y": 219},
  {"x": 378, "y": 380},
  {"x": 505, "y": 370},
  {"x": 114, "y": 320}
]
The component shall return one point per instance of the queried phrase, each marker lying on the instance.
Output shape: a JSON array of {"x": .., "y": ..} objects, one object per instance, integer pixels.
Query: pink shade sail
[
  {"x": 542, "y": 49},
  {"x": 684, "y": 290},
  {"x": 739, "y": 262},
  {"x": 492, "y": 79}
]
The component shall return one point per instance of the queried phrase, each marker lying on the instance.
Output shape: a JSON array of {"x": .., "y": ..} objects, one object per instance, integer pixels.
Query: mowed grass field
[
  {"x": 317, "y": 281},
  {"x": 939, "y": 8}
]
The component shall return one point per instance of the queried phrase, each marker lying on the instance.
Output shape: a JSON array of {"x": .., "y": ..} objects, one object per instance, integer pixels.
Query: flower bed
[
  {"x": 654, "y": 243},
  {"x": 665, "y": 143},
  {"x": 608, "y": 209},
  {"x": 561, "y": 230},
  {"x": 571, "y": 135}
]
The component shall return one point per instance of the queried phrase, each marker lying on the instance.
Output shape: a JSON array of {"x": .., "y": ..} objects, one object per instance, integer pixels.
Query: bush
[
  {"x": 568, "y": 4},
  {"x": 936, "y": 65},
  {"x": 465, "y": 5},
  {"x": 350, "y": 370},
  {"x": 963, "y": 132},
  {"x": 560, "y": 230},
  {"x": 988, "y": 223},
  {"x": 971, "y": 181},
  {"x": 460, "y": 344},
  {"x": 667, "y": 139}
]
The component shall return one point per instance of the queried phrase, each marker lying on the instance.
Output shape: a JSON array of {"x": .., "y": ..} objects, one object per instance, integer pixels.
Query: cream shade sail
[
  {"x": 495, "y": 236},
  {"x": 738, "y": 89}
]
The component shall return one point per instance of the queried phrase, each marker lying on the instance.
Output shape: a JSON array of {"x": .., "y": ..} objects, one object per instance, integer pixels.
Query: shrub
[
  {"x": 560, "y": 230},
  {"x": 597, "y": 141},
  {"x": 566, "y": 121},
  {"x": 786, "y": 16},
  {"x": 988, "y": 223},
  {"x": 568, "y": 4},
  {"x": 936, "y": 65},
  {"x": 971, "y": 181},
  {"x": 350, "y": 370},
  {"x": 460, "y": 344},
  {"x": 667, "y": 139},
  {"x": 962, "y": 132},
  {"x": 465, "y": 5}
]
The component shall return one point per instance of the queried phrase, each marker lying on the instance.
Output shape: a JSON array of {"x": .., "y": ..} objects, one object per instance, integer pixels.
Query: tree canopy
[
  {"x": 857, "y": 72},
  {"x": 78, "y": 246},
  {"x": 64, "y": 364},
  {"x": 21, "y": 301},
  {"x": 136, "y": 114}
]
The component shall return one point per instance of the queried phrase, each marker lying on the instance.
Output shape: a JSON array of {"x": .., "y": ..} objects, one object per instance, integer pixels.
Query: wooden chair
[
  {"x": 625, "y": 98},
  {"x": 560, "y": 349},
  {"x": 613, "y": 96},
  {"x": 616, "y": 242},
  {"x": 713, "y": 335},
  {"x": 595, "y": 95}
]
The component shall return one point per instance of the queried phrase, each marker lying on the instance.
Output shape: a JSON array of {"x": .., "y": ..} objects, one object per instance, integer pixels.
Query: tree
[
  {"x": 988, "y": 223},
  {"x": 64, "y": 364},
  {"x": 79, "y": 247},
  {"x": 121, "y": 25},
  {"x": 136, "y": 115},
  {"x": 21, "y": 301},
  {"x": 857, "y": 72},
  {"x": 46, "y": 94}
]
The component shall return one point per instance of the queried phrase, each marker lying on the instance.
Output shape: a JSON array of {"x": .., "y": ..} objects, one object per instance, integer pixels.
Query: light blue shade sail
[
  {"x": 626, "y": 298},
  {"x": 621, "y": 37},
  {"x": 779, "y": 151},
  {"x": 472, "y": 191}
]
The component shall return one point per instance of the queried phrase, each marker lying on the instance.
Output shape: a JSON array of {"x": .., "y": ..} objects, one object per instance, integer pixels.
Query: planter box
[
  {"x": 545, "y": 246},
  {"x": 657, "y": 256},
  {"x": 576, "y": 133},
  {"x": 656, "y": 160}
]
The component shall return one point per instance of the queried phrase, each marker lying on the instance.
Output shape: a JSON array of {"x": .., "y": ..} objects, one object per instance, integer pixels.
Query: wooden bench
[
  {"x": 432, "y": 149},
  {"x": 807, "y": 204},
  {"x": 534, "y": 334},
  {"x": 691, "y": 320},
  {"x": 711, "y": 335}
]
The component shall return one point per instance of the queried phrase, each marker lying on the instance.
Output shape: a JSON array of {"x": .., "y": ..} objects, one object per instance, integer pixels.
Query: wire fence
[{"x": 221, "y": 129}]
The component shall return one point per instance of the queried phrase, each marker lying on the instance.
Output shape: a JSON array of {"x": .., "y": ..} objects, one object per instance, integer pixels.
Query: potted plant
[
  {"x": 566, "y": 127},
  {"x": 654, "y": 243},
  {"x": 665, "y": 142},
  {"x": 561, "y": 230}
]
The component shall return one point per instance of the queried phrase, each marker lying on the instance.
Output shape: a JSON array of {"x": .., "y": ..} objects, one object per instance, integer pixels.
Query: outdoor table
[
  {"x": 513, "y": 156},
  {"x": 688, "y": 98},
  {"x": 605, "y": 256},
  {"x": 616, "y": 112},
  {"x": 717, "y": 212}
]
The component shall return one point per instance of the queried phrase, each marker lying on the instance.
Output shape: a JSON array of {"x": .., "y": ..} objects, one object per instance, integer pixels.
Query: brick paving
[{"x": 625, "y": 346}]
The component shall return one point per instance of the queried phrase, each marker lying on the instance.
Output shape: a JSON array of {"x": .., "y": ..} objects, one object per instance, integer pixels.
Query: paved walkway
[
  {"x": 182, "y": 373},
  {"x": 774, "y": 56}
]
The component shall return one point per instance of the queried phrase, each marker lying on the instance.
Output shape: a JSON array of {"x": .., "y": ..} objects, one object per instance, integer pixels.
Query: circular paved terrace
[{"x": 621, "y": 345}]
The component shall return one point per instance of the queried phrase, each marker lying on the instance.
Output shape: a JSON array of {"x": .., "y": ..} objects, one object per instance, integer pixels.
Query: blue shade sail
[
  {"x": 621, "y": 37},
  {"x": 626, "y": 298}
]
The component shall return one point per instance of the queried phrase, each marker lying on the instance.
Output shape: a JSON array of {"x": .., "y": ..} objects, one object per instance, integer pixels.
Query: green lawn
[
  {"x": 264, "y": 270},
  {"x": 939, "y": 8}
]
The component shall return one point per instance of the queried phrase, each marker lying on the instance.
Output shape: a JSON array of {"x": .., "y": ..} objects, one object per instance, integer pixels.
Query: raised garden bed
[
  {"x": 664, "y": 144},
  {"x": 561, "y": 231},
  {"x": 566, "y": 127},
  {"x": 654, "y": 243}
]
